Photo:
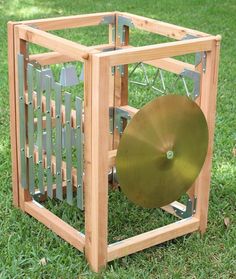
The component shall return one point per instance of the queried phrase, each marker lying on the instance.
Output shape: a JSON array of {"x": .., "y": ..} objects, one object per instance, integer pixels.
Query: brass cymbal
[{"x": 162, "y": 151}]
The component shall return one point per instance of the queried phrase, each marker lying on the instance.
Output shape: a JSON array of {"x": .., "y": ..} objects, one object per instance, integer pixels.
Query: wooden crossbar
[
  {"x": 57, "y": 23},
  {"x": 52, "y": 42},
  {"x": 160, "y": 27},
  {"x": 57, "y": 225},
  {"x": 158, "y": 51},
  {"x": 151, "y": 238}
]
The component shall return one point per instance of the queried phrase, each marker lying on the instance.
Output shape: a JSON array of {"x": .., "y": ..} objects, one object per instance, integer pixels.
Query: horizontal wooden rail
[
  {"x": 66, "y": 22},
  {"x": 161, "y": 28},
  {"x": 158, "y": 51},
  {"x": 53, "y": 42},
  {"x": 57, "y": 225},
  {"x": 48, "y": 58},
  {"x": 168, "y": 64},
  {"x": 151, "y": 238}
]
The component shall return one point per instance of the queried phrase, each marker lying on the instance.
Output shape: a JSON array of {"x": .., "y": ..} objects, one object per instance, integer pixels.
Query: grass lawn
[{"x": 24, "y": 241}]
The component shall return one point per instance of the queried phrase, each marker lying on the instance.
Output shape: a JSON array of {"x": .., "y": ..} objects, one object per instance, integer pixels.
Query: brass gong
[{"x": 162, "y": 151}]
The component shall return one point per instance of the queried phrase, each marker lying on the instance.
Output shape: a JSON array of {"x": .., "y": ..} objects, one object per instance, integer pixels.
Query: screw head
[{"x": 169, "y": 154}]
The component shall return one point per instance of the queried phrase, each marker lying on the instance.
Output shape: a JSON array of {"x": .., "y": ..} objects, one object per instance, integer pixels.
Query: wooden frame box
[{"x": 102, "y": 90}]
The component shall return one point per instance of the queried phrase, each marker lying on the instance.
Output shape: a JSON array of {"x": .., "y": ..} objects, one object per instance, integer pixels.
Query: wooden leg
[
  {"x": 97, "y": 186},
  {"x": 208, "y": 105},
  {"x": 20, "y": 47},
  {"x": 12, "y": 100}
]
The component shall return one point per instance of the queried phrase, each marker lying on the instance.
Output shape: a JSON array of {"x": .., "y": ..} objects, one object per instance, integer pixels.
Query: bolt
[{"x": 169, "y": 154}]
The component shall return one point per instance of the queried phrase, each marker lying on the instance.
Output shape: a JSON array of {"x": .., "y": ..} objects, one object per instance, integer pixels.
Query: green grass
[{"x": 24, "y": 241}]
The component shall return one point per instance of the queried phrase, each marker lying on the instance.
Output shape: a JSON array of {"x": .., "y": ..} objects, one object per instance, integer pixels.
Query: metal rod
[
  {"x": 79, "y": 153},
  {"x": 21, "y": 85},
  {"x": 48, "y": 82},
  {"x": 39, "y": 131},
  {"x": 30, "y": 71},
  {"x": 69, "y": 190},
  {"x": 59, "y": 194}
]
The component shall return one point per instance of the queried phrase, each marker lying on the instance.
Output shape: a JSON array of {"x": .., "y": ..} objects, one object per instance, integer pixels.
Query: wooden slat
[
  {"x": 54, "y": 223},
  {"x": 208, "y": 105},
  {"x": 151, "y": 238},
  {"x": 54, "y": 57},
  {"x": 97, "y": 216},
  {"x": 161, "y": 28},
  {"x": 52, "y": 42},
  {"x": 88, "y": 156},
  {"x": 158, "y": 51},
  {"x": 172, "y": 65},
  {"x": 65, "y": 22},
  {"x": 13, "y": 116}
]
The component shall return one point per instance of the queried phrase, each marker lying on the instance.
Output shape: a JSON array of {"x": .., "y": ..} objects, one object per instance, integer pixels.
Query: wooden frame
[{"x": 101, "y": 91}]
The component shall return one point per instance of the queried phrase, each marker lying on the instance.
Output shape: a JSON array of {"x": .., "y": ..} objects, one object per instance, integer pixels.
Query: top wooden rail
[
  {"x": 158, "y": 51},
  {"x": 53, "y": 42},
  {"x": 161, "y": 28},
  {"x": 58, "y": 23}
]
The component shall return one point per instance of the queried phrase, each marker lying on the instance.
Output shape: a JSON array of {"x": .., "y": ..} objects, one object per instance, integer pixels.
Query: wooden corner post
[
  {"x": 97, "y": 214},
  {"x": 208, "y": 105},
  {"x": 13, "y": 116}
]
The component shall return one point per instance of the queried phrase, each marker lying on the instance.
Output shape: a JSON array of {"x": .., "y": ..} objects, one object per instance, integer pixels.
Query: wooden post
[
  {"x": 208, "y": 105},
  {"x": 13, "y": 116},
  {"x": 20, "y": 47},
  {"x": 121, "y": 81},
  {"x": 97, "y": 201}
]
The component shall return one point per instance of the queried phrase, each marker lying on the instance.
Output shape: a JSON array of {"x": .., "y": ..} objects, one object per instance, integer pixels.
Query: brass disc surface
[{"x": 162, "y": 151}]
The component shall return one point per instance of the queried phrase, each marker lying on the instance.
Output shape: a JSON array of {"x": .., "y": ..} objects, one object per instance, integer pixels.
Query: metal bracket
[
  {"x": 119, "y": 68},
  {"x": 117, "y": 116},
  {"x": 120, "y": 116},
  {"x": 108, "y": 19},
  {"x": 196, "y": 78},
  {"x": 200, "y": 56},
  {"x": 190, "y": 209},
  {"x": 123, "y": 21}
]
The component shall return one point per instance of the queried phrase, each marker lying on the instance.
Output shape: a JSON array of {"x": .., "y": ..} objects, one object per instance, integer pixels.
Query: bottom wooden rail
[
  {"x": 151, "y": 238},
  {"x": 54, "y": 223}
]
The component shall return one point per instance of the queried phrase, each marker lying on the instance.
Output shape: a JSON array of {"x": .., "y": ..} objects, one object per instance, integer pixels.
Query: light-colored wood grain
[
  {"x": 88, "y": 156},
  {"x": 52, "y": 42},
  {"x": 151, "y": 238},
  {"x": 208, "y": 106},
  {"x": 13, "y": 116},
  {"x": 161, "y": 28},
  {"x": 66, "y": 22},
  {"x": 57, "y": 225},
  {"x": 54, "y": 57},
  {"x": 158, "y": 51},
  {"x": 96, "y": 233}
]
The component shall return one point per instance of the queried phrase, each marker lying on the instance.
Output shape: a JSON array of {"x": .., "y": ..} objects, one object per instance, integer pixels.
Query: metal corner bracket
[{"x": 190, "y": 209}]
